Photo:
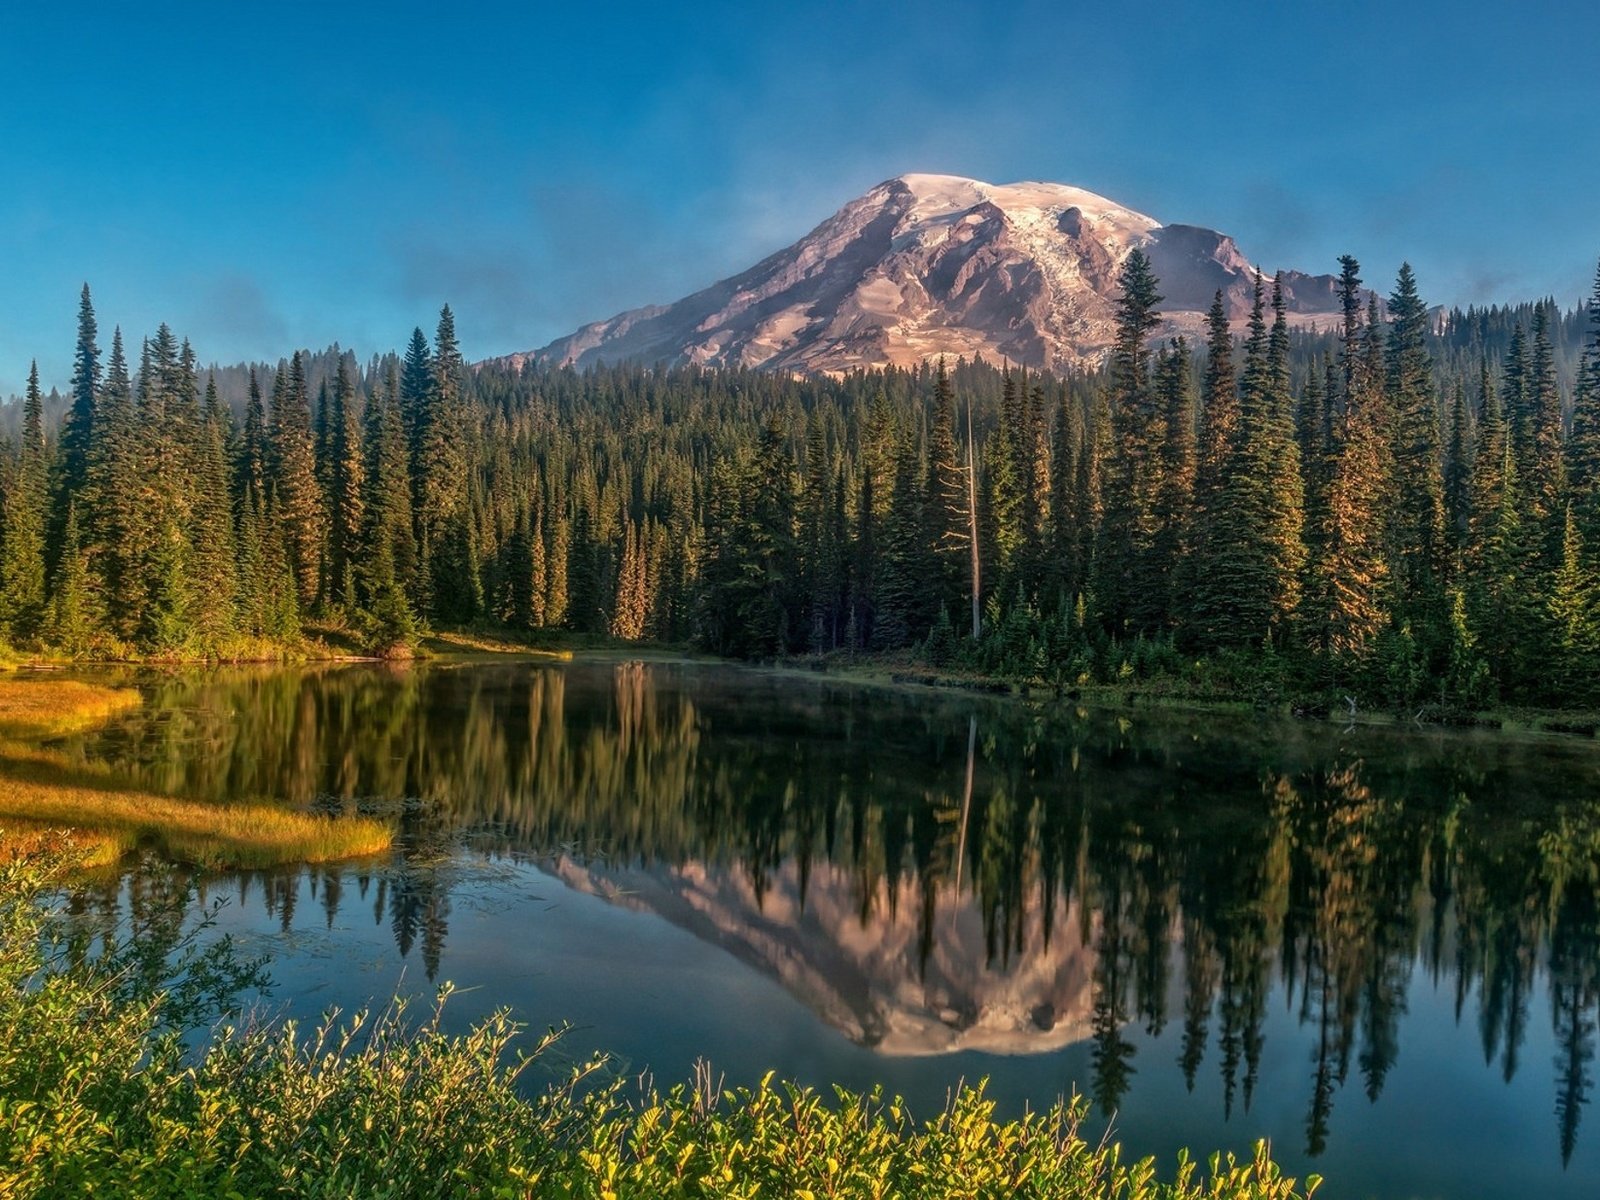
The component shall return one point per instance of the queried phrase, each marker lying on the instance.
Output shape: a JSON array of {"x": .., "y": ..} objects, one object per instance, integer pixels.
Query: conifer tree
[
  {"x": 768, "y": 544},
  {"x": 1003, "y": 491},
  {"x": 1417, "y": 526},
  {"x": 631, "y": 607},
  {"x": 347, "y": 475},
  {"x": 1260, "y": 536},
  {"x": 1457, "y": 472},
  {"x": 254, "y": 447},
  {"x": 73, "y": 618},
  {"x": 1286, "y": 494},
  {"x": 1174, "y": 508},
  {"x": 1089, "y": 500},
  {"x": 389, "y": 553},
  {"x": 114, "y": 495},
  {"x": 1313, "y": 423},
  {"x": 556, "y": 596},
  {"x": 1346, "y": 595},
  {"x": 441, "y": 465},
  {"x": 821, "y": 552},
  {"x": 1215, "y": 528},
  {"x": 294, "y": 482},
  {"x": 1574, "y": 661},
  {"x": 1350, "y": 337},
  {"x": 22, "y": 568},
  {"x": 1546, "y": 488},
  {"x": 78, "y": 426},
  {"x": 279, "y": 596},
  {"x": 1132, "y": 588},
  {"x": 416, "y": 382},
  {"x": 169, "y": 616},
  {"x": 1515, "y": 400},
  {"x": 1583, "y": 448},
  {"x": 902, "y": 591},
  {"x": 322, "y": 455},
  {"x": 250, "y": 548},
  {"x": 1066, "y": 447},
  {"x": 1501, "y": 593},
  {"x": 215, "y": 560},
  {"x": 1034, "y": 470},
  {"x": 538, "y": 573},
  {"x": 1546, "y": 485}
]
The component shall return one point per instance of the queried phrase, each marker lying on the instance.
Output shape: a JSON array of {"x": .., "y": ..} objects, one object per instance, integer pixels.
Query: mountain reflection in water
[{"x": 933, "y": 874}]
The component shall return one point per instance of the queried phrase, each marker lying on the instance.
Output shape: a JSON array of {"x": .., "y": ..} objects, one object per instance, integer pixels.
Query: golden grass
[
  {"x": 39, "y": 791},
  {"x": 43, "y": 708},
  {"x": 42, "y": 791},
  {"x": 85, "y": 849},
  {"x": 456, "y": 642}
]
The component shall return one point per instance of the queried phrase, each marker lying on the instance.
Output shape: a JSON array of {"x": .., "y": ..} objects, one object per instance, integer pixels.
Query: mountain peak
[
  {"x": 924, "y": 265},
  {"x": 941, "y": 193}
]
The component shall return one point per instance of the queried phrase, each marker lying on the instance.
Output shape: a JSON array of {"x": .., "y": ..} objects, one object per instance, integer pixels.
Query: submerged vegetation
[
  {"x": 43, "y": 788},
  {"x": 100, "y": 1094}
]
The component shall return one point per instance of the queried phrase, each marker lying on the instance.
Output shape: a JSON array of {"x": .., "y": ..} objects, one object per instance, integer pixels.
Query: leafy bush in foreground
[{"x": 101, "y": 1093}]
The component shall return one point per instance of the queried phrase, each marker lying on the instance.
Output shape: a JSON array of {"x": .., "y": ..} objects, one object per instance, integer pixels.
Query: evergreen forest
[{"x": 1401, "y": 510}]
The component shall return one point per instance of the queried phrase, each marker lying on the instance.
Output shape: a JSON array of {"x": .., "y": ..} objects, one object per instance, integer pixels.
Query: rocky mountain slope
[{"x": 925, "y": 265}]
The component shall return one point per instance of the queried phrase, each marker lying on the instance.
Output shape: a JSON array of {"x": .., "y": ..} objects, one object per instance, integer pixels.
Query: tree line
[{"x": 1405, "y": 507}]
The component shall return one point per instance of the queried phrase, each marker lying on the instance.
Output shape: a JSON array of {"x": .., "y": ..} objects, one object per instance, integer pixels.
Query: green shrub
[{"x": 101, "y": 1094}]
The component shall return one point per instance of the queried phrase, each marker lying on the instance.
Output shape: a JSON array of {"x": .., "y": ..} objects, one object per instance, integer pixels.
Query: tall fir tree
[
  {"x": 1066, "y": 522},
  {"x": 74, "y": 620},
  {"x": 114, "y": 497},
  {"x": 1260, "y": 542},
  {"x": 1457, "y": 474},
  {"x": 1417, "y": 525},
  {"x": 902, "y": 590},
  {"x": 78, "y": 425},
  {"x": 389, "y": 551},
  {"x": 1574, "y": 660},
  {"x": 1216, "y": 530},
  {"x": 1132, "y": 586},
  {"x": 1583, "y": 448},
  {"x": 441, "y": 465},
  {"x": 1173, "y": 543},
  {"x": 254, "y": 451},
  {"x": 22, "y": 565},
  {"x": 1544, "y": 483},
  {"x": 1346, "y": 596},
  {"x": 298, "y": 495},
  {"x": 348, "y": 493},
  {"x": 215, "y": 562}
]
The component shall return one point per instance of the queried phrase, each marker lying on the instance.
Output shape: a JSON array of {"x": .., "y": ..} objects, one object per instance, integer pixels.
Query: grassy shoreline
[
  {"x": 898, "y": 672},
  {"x": 42, "y": 789}
]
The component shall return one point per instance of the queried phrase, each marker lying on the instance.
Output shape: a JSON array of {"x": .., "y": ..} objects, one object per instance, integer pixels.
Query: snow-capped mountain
[{"x": 925, "y": 265}]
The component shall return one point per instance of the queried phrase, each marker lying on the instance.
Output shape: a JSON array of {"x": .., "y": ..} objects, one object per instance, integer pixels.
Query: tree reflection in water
[{"x": 932, "y": 873}]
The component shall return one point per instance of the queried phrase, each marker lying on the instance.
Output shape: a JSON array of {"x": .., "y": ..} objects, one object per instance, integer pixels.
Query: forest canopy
[{"x": 1404, "y": 507}]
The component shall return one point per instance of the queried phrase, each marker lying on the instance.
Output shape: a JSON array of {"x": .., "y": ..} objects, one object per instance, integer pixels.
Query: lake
[{"x": 1378, "y": 947}]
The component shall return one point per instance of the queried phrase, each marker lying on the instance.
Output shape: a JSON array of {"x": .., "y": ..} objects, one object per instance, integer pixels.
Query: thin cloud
[{"x": 234, "y": 310}]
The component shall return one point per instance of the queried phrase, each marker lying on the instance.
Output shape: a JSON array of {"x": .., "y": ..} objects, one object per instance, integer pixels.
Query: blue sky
[{"x": 264, "y": 176}]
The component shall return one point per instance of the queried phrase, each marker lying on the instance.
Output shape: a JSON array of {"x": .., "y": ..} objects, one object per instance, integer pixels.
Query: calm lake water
[{"x": 1378, "y": 948}]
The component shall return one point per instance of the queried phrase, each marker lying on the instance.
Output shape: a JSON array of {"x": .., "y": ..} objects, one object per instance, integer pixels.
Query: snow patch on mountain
[{"x": 927, "y": 265}]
